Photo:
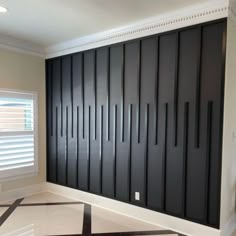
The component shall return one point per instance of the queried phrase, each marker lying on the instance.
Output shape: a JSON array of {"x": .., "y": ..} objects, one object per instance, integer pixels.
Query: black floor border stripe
[
  {"x": 152, "y": 232},
  {"x": 87, "y": 222},
  {"x": 5, "y": 205},
  {"x": 50, "y": 204},
  {"x": 10, "y": 210}
]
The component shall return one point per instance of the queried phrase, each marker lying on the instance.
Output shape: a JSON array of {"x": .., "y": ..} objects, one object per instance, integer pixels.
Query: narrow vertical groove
[
  {"x": 51, "y": 96},
  {"x": 198, "y": 91},
  {"x": 176, "y": 89},
  {"x": 101, "y": 147},
  {"x": 123, "y": 94},
  {"x": 56, "y": 137},
  {"x": 139, "y": 90},
  {"x": 146, "y": 152},
  {"x": 208, "y": 156},
  {"x": 114, "y": 145},
  {"x": 77, "y": 146},
  {"x": 66, "y": 156},
  {"x": 95, "y": 95},
  {"x": 82, "y": 93},
  {"x": 130, "y": 148},
  {"x": 88, "y": 145},
  {"x": 61, "y": 98},
  {"x": 164, "y": 157},
  {"x": 185, "y": 154},
  {"x": 108, "y": 92},
  {"x": 72, "y": 95},
  {"x": 156, "y": 92}
]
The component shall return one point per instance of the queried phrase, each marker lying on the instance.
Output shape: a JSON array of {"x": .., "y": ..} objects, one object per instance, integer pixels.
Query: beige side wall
[
  {"x": 228, "y": 190},
  {"x": 24, "y": 72}
]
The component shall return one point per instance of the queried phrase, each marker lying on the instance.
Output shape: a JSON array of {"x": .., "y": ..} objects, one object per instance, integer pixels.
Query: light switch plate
[{"x": 137, "y": 196}]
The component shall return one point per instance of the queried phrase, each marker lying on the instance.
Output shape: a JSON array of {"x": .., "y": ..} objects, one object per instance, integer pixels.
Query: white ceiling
[{"x": 48, "y": 22}]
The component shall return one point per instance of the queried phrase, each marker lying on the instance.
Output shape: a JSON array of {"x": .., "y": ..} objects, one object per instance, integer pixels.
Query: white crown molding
[
  {"x": 232, "y": 11},
  {"x": 21, "y": 46},
  {"x": 192, "y": 15}
]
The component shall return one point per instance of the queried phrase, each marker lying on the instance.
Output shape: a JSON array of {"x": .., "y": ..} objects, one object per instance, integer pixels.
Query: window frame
[{"x": 22, "y": 172}]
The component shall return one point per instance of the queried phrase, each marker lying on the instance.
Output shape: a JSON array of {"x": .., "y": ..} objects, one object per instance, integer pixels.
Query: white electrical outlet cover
[{"x": 137, "y": 196}]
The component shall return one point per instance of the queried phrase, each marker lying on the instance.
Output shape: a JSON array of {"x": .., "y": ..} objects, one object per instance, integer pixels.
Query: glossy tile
[
  {"x": 45, "y": 220},
  {"x": 104, "y": 221},
  {"x": 46, "y": 198}
]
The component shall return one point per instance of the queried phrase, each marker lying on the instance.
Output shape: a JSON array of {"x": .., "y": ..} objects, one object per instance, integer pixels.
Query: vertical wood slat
[
  {"x": 77, "y": 146},
  {"x": 176, "y": 89},
  {"x": 208, "y": 156},
  {"x": 130, "y": 126},
  {"x": 164, "y": 157},
  {"x": 101, "y": 146},
  {"x": 88, "y": 146},
  {"x": 66, "y": 156},
  {"x": 122, "y": 116},
  {"x": 108, "y": 92},
  {"x": 56, "y": 136},
  {"x": 198, "y": 91},
  {"x": 82, "y": 94},
  {"x": 72, "y": 96},
  {"x": 156, "y": 99},
  {"x": 139, "y": 91},
  {"x": 95, "y": 95},
  {"x": 115, "y": 146},
  {"x": 185, "y": 154},
  {"x": 146, "y": 151}
]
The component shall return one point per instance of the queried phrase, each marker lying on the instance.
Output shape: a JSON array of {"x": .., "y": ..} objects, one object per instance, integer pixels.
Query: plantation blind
[{"x": 18, "y": 126}]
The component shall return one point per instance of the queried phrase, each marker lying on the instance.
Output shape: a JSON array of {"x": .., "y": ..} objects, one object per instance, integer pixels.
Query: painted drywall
[
  {"x": 228, "y": 191},
  {"x": 24, "y": 72}
]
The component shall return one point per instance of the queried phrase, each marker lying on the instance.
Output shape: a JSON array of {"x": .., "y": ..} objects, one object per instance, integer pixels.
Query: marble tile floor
[{"x": 47, "y": 214}]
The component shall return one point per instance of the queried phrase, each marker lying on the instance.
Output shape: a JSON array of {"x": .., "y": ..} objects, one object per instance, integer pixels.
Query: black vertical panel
[
  {"x": 49, "y": 115},
  {"x": 217, "y": 75},
  {"x": 123, "y": 158},
  {"x": 109, "y": 154},
  {"x": 65, "y": 106},
  {"x": 102, "y": 79},
  {"x": 72, "y": 104},
  {"x": 56, "y": 115},
  {"x": 167, "y": 79},
  {"x": 88, "y": 103},
  {"x": 142, "y": 116},
  {"x": 94, "y": 145},
  {"x": 146, "y": 79}
]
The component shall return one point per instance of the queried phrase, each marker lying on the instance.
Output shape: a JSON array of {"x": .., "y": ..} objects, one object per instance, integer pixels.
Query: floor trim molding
[{"x": 172, "y": 223}]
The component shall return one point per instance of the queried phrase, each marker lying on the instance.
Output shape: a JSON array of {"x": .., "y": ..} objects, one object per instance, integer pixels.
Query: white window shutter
[{"x": 18, "y": 133}]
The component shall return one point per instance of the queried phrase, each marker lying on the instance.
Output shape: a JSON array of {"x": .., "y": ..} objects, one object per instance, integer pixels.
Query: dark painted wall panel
[{"x": 142, "y": 116}]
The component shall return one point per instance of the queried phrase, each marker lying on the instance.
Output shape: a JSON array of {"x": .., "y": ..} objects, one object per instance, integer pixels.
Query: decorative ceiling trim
[
  {"x": 184, "y": 17},
  {"x": 232, "y": 11},
  {"x": 192, "y": 15},
  {"x": 21, "y": 46}
]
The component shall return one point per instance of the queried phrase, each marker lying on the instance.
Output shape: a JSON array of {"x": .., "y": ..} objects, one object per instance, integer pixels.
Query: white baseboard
[
  {"x": 21, "y": 192},
  {"x": 166, "y": 221},
  {"x": 230, "y": 227}
]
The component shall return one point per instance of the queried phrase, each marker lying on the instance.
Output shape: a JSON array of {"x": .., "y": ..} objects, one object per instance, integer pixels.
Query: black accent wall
[{"x": 142, "y": 116}]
